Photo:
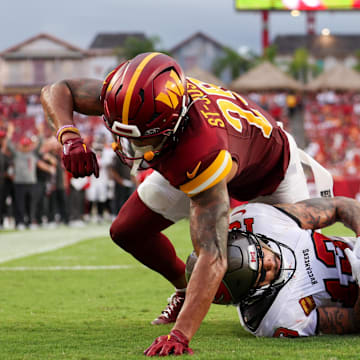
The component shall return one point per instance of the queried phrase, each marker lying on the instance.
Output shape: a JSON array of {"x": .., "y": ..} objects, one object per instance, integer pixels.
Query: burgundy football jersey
[{"x": 224, "y": 126}]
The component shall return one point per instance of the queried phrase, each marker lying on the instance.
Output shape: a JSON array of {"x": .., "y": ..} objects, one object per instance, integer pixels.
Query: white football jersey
[{"x": 322, "y": 277}]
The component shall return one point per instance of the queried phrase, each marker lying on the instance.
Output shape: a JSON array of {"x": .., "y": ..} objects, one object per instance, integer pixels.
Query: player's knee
[{"x": 120, "y": 233}]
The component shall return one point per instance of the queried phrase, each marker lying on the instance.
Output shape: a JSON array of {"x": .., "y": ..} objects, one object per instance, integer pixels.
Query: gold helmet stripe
[
  {"x": 217, "y": 171},
  {"x": 139, "y": 69}
]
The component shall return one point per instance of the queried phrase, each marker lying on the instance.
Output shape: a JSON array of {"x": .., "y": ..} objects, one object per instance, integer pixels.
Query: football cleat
[{"x": 171, "y": 312}]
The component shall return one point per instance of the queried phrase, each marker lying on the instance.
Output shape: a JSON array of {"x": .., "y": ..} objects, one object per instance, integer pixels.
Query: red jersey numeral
[
  {"x": 284, "y": 332},
  {"x": 235, "y": 225},
  {"x": 346, "y": 294},
  {"x": 328, "y": 251},
  {"x": 248, "y": 223},
  {"x": 331, "y": 254}
]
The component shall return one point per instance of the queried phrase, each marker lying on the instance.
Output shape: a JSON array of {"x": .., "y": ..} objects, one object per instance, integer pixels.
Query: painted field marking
[
  {"x": 18, "y": 244},
  {"x": 62, "y": 268}
]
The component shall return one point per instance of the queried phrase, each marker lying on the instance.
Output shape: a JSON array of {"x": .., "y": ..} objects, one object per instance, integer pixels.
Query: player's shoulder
[
  {"x": 202, "y": 157},
  {"x": 196, "y": 171},
  {"x": 259, "y": 210},
  {"x": 197, "y": 88},
  {"x": 285, "y": 316},
  {"x": 290, "y": 316}
]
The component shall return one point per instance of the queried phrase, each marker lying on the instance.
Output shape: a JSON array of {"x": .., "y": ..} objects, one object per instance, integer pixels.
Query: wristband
[{"x": 64, "y": 129}]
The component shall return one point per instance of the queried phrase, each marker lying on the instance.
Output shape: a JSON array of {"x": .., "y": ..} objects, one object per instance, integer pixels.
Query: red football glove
[
  {"x": 175, "y": 343},
  {"x": 78, "y": 159}
]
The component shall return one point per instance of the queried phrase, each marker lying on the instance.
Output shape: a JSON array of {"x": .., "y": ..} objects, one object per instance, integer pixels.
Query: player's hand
[
  {"x": 175, "y": 343},
  {"x": 354, "y": 261},
  {"x": 79, "y": 159}
]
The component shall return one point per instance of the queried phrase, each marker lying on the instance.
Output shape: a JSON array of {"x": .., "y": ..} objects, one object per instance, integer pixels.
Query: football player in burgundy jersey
[
  {"x": 288, "y": 280},
  {"x": 204, "y": 142}
]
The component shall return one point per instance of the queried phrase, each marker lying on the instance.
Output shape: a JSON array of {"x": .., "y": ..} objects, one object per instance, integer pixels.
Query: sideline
[
  {"x": 18, "y": 244},
  {"x": 62, "y": 268}
]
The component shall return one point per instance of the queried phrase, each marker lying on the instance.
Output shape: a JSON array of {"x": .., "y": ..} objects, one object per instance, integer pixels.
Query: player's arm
[
  {"x": 208, "y": 228},
  {"x": 61, "y": 99},
  {"x": 321, "y": 212},
  {"x": 59, "y": 102},
  {"x": 336, "y": 320}
]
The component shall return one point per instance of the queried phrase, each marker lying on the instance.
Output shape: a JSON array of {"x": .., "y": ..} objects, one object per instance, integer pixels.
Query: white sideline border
[
  {"x": 62, "y": 268},
  {"x": 18, "y": 244}
]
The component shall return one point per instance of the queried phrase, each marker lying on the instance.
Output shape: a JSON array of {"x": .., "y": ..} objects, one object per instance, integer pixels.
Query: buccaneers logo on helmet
[{"x": 245, "y": 268}]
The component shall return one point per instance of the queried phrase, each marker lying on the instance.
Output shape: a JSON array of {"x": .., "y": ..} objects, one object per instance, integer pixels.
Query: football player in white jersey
[{"x": 293, "y": 281}]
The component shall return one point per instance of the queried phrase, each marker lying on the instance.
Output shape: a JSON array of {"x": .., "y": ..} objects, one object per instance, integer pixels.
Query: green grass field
[{"x": 53, "y": 308}]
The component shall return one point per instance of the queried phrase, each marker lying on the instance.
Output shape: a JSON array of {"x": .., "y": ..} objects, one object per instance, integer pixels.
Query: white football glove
[{"x": 354, "y": 260}]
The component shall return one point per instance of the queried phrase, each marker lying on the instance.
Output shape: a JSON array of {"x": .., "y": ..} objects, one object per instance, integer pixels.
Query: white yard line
[
  {"x": 62, "y": 268},
  {"x": 18, "y": 244}
]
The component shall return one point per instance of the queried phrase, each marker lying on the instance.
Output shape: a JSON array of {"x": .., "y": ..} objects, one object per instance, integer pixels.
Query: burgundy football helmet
[{"x": 145, "y": 97}]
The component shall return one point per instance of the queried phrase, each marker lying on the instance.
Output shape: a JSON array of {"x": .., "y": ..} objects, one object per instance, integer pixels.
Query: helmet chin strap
[
  {"x": 146, "y": 152},
  {"x": 184, "y": 110}
]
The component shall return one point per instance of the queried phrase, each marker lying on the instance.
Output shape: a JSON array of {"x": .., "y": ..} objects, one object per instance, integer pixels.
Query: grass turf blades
[{"x": 62, "y": 310}]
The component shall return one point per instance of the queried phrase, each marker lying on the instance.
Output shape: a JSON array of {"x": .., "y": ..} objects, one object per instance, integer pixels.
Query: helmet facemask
[{"x": 286, "y": 269}]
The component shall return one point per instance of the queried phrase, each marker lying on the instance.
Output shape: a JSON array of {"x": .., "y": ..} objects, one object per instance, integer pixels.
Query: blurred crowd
[
  {"x": 282, "y": 105},
  {"x": 331, "y": 123},
  {"x": 35, "y": 190}
]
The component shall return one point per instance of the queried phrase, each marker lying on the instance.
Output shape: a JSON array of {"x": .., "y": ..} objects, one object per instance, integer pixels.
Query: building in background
[
  {"x": 199, "y": 50},
  {"x": 325, "y": 51},
  {"x": 331, "y": 114},
  {"x": 26, "y": 67},
  {"x": 43, "y": 59},
  {"x": 103, "y": 56}
]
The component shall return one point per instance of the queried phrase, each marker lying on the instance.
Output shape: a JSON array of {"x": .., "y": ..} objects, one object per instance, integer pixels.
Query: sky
[{"x": 78, "y": 21}]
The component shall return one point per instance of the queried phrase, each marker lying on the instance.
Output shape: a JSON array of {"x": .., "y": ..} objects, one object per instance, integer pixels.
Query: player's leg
[
  {"x": 157, "y": 193},
  {"x": 137, "y": 229},
  {"x": 293, "y": 188}
]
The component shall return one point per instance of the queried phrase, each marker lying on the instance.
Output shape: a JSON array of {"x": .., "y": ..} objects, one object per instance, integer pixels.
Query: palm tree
[
  {"x": 299, "y": 67},
  {"x": 134, "y": 46},
  {"x": 357, "y": 66},
  {"x": 233, "y": 61},
  {"x": 270, "y": 54}
]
